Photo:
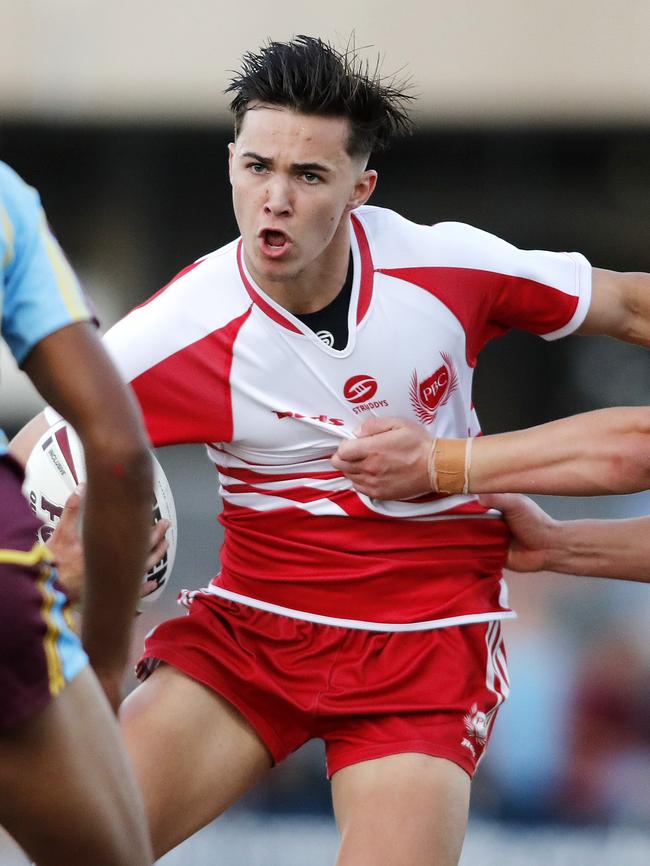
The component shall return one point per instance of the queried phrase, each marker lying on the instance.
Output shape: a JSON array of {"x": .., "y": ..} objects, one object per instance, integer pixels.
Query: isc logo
[{"x": 359, "y": 389}]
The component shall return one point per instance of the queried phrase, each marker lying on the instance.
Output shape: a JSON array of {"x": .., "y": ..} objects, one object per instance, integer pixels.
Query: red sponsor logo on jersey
[
  {"x": 359, "y": 389},
  {"x": 324, "y": 419},
  {"x": 432, "y": 393}
]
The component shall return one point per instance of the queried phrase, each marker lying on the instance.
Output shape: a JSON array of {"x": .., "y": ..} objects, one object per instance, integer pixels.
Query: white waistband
[{"x": 426, "y": 625}]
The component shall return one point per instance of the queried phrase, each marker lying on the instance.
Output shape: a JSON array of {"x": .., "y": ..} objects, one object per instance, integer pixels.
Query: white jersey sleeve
[{"x": 490, "y": 285}]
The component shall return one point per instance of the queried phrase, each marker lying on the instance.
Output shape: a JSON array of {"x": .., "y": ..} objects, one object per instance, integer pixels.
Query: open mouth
[
  {"x": 274, "y": 242},
  {"x": 275, "y": 238}
]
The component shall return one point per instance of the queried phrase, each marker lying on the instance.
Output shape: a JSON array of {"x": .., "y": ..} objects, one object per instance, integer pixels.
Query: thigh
[
  {"x": 67, "y": 792},
  {"x": 193, "y": 753},
  {"x": 401, "y": 810}
]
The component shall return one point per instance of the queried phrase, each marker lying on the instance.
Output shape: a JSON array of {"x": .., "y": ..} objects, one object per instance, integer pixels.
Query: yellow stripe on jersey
[
  {"x": 65, "y": 277},
  {"x": 8, "y": 230},
  {"x": 52, "y": 657},
  {"x": 40, "y": 553}
]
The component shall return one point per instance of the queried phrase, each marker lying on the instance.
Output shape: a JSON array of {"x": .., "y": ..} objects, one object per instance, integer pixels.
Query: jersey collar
[{"x": 361, "y": 287}]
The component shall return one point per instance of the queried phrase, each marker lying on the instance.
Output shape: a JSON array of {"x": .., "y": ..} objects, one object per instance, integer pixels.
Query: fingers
[
  {"x": 511, "y": 504},
  {"x": 159, "y": 547},
  {"x": 388, "y": 461},
  {"x": 158, "y": 531},
  {"x": 377, "y": 424},
  {"x": 499, "y": 501},
  {"x": 69, "y": 521},
  {"x": 159, "y": 544},
  {"x": 147, "y": 587},
  {"x": 66, "y": 548},
  {"x": 157, "y": 554},
  {"x": 354, "y": 450}
]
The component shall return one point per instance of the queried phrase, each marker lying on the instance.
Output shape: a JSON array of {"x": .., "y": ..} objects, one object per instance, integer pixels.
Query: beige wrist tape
[{"x": 450, "y": 461}]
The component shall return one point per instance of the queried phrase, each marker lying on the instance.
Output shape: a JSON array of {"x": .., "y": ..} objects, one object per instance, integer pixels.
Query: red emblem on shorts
[
  {"x": 434, "y": 391},
  {"x": 358, "y": 389}
]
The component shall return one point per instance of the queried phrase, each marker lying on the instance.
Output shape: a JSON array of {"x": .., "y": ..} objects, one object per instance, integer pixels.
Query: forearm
[
  {"x": 117, "y": 514},
  {"x": 601, "y": 548},
  {"x": 620, "y": 306},
  {"x": 601, "y": 452},
  {"x": 637, "y": 327},
  {"x": 112, "y": 555},
  {"x": 116, "y": 540}
]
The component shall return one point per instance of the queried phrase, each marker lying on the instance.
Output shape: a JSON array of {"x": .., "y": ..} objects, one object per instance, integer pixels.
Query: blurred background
[{"x": 533, "y": 122}]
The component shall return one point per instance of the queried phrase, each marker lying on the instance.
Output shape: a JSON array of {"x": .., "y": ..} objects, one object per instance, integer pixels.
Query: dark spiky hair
[{"x": 312, "y": 77}]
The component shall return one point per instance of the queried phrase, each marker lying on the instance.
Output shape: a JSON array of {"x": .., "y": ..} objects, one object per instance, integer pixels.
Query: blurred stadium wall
[
  {"x": 533, "y": 123},
  {"x": 497, "y": 60}
]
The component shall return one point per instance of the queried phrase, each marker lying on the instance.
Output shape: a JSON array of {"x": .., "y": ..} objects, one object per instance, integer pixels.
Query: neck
[{"x": 313, "y": 287}]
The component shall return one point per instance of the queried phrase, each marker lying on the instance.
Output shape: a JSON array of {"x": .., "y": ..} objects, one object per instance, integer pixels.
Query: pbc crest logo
[
  {"x": 476, "y": 725},
  {"x": 476, "y": 728},
  {"x": 428, "y": 396}
]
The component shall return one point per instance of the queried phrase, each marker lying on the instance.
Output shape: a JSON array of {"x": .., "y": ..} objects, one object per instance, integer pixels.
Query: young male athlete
[
  {"x": 67, "y": 793},
  {"x": 372, "y": 623}
]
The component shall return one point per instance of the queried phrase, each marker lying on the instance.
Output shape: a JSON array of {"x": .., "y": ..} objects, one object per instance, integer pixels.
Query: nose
[{"x": 278, "y": 197}]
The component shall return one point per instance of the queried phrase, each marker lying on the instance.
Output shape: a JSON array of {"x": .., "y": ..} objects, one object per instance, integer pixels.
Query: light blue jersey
[{"x": 39, "y": 292}]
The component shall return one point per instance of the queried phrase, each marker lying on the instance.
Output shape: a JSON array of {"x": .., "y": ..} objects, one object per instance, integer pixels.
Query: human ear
[{"x": 363, "y": 189}]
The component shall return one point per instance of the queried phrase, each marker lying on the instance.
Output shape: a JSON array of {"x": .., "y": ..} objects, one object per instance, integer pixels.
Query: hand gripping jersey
[
  {"x": 214, "y": 359},
  {"x": 39, "y": 293}
]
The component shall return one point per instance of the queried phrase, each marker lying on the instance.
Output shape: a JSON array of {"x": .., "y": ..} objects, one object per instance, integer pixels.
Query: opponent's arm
[
  {"x": 74, "y": 374},
  {"x": 617, "y": 549},
  {"x": 602, "y": 452},
  {"x": 620, "y": 306}
]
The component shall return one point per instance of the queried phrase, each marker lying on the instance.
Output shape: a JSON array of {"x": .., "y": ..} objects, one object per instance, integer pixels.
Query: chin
[{"x": 276, "y": 271}]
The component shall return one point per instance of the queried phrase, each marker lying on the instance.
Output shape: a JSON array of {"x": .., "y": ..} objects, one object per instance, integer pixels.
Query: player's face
[{"x": 294, "y": 185}]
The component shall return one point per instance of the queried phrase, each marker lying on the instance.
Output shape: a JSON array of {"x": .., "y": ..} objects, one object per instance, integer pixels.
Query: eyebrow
[{"x": 296, "y": 166}]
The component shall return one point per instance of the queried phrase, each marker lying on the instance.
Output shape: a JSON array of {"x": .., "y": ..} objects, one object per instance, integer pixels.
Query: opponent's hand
[
  {"x": 159, "y": 546},
  {"x": 532, "y": 530},
  {"x": 388, "y": 459},
  {"x": 66, "y": 548}
]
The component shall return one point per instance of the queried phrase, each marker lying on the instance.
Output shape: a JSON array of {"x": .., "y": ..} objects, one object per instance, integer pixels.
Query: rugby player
[
  {"x": 67, "y": 793},
  {"x": 371, "y": 622}
]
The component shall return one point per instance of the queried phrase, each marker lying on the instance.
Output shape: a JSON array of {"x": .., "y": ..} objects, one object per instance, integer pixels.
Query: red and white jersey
[{"x": 213, "y": 359}]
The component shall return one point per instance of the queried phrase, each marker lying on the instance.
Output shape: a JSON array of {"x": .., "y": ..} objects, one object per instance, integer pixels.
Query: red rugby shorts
[{"x": 367, "y": 694}]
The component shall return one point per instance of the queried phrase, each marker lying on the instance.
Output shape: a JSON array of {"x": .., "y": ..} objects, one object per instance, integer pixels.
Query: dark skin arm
[{"x": 73, "y": 373}]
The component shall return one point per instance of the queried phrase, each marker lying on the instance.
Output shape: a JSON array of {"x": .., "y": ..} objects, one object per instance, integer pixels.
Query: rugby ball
[{"x": 54, "y": 469}]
